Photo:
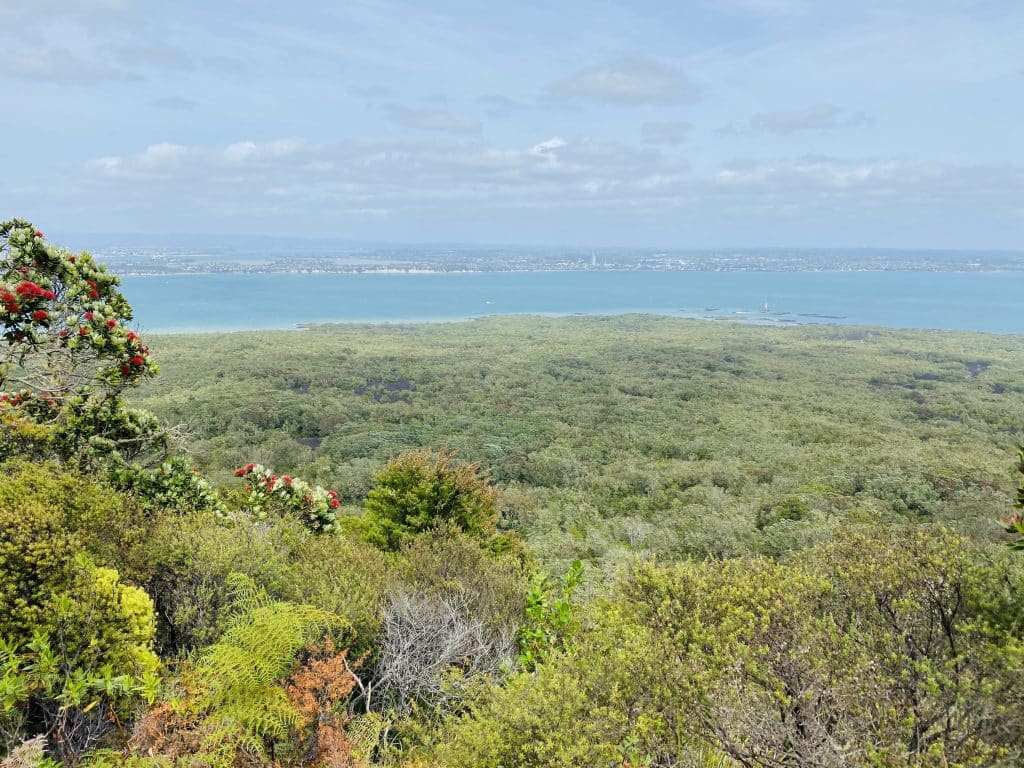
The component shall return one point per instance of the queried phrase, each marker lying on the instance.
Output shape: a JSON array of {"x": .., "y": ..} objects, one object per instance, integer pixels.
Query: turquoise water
[{"x": 223, "y": 302}]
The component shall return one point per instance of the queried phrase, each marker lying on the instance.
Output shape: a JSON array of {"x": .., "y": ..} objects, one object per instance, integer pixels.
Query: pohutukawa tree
[{"x": 67, "y": 354}]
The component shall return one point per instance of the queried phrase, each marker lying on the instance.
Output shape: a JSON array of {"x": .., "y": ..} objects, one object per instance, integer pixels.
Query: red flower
[
  {"x": 138, "y": 360},
  {"x": 94, "y": 294},
  {"x": 49, "y": 295},
  {"x": 125, "y": 370},
  {"x": 39, "y": 315},
  {"x": 335, "y": 503},
  {"x": 28, "y": 288},
  {"x": 87, "y": 315},
  {"x": 72, "y": 258},
  {"x": 240, "y": 471},
  {"x": 83, "y": 331},
  {"x": 38, "y": 233},
  {"x": 286, "y": 479},
  {"x": 111, "y": 323},
  {"x": 132, "y": 335}
]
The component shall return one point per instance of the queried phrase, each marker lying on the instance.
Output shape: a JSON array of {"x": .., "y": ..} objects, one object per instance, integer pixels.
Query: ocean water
[{"x": 992, "y": 302}]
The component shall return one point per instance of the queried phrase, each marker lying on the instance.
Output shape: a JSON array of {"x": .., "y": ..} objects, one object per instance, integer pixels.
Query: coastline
[{"x": 740, "y": 321}]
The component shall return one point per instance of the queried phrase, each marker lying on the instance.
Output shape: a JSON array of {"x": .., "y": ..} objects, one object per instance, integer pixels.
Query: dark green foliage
[
  {"x": 792, "y": 509},
  {"x": 173, "y": 484},
  {"x": 420, "y": 491}
]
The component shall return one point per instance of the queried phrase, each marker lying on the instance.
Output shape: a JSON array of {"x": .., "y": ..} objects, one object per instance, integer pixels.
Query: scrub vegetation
[{"x": 629, "y": 541}]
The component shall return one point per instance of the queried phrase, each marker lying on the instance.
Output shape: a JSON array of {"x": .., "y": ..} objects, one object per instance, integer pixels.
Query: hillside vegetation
[
  {"x": 645, "y": 434},
  {"x": 613, "y": 542}
]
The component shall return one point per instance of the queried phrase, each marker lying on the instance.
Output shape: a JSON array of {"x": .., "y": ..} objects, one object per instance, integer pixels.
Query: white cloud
[
  {"x": 156, "y": 160},
  {"x": 627, "y": 82},
  {"x": 375, "y": 173},
  {"x": 554, "y": 173},
  {"x": 546, "y": 149},
  {"x": 814, "y": 182}
]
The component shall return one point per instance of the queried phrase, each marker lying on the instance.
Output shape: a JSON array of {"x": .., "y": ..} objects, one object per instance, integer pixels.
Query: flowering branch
[{"x": 313, "y": 505}]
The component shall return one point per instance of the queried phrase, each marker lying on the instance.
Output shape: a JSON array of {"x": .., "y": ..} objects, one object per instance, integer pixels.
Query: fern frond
[{"x": 238, "y": 694}]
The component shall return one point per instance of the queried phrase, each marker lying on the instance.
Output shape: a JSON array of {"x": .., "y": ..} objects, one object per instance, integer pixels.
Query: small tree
[
  {"x": 422, "y": 490},
  {"x": 67, "y": 355}
]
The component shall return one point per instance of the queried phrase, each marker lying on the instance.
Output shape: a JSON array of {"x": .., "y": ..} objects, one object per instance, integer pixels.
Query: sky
[{"x": 688, "y": 124}]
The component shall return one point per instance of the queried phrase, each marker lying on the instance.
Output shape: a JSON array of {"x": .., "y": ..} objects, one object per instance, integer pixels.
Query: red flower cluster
[
  {"x": 10, "y": 302},
  {"x": 25, "y": 298},
  {"x": 30, "y": 289}
]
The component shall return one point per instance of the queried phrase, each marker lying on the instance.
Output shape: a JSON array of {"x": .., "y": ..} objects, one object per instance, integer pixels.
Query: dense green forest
[
  {"x": 617, "y": 435},
  {"x": 629, "y": 541}
]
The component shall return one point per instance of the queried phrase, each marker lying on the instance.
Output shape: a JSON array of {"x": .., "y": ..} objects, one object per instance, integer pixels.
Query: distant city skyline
[{"x": 701, "y": 124}]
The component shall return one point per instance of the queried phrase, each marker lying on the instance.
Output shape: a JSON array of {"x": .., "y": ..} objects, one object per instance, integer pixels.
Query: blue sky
[{"x": 688, "y": 124}]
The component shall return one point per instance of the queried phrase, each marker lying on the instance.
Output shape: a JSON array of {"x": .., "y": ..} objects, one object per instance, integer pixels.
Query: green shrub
[{"x": 422, "y": 490}]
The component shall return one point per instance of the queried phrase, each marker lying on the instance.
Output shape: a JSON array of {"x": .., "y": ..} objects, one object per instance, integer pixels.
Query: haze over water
[{"x": 988, "y": 302}]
